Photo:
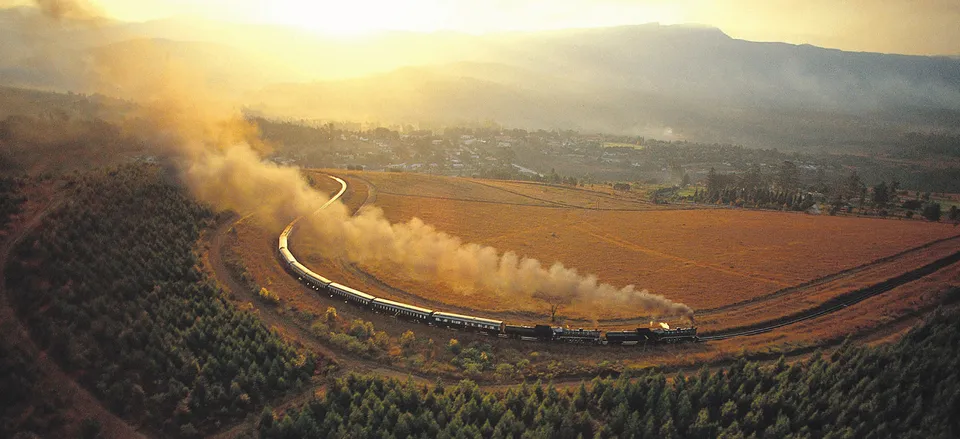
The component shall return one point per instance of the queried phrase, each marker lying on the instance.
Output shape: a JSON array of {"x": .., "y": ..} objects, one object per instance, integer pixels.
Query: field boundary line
[
  {"x": 837, "y": 303},
  {"x": 828, "y": 278}
]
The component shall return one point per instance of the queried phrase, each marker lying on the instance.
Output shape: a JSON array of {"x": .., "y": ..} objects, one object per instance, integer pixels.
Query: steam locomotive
[{"x": 478, "y": 324}]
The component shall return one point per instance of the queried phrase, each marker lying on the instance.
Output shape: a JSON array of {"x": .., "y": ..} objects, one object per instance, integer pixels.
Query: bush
[
  {"x": 477, "y": 356},
  {"x": 932, "y": 212},
  {"x": 454, "y": 346},
  {"x": 408, "y": 340},
  {"x": 268, "y": 296},
  {"x": 361, "y": 329},
  {"x": 330, "y": 314}
]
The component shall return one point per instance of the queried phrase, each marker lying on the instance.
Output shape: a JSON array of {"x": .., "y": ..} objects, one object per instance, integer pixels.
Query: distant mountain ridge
[{"x": 684, "y": 81}]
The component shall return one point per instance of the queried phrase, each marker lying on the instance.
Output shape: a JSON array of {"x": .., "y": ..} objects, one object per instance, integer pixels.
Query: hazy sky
[{"x": 895, "y": 26}]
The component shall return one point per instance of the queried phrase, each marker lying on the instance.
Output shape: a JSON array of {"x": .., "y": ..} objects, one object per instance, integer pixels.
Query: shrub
[
  {"x": 268, "y": 296},
  {"x": 330, "y": 314},
  {"x": 454, "y": 346}
]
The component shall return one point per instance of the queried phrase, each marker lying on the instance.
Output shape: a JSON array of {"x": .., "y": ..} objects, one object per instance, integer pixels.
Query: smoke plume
[
  {"x": 75, "y": 10},
  {"x": 218, "y": 154},
  {"x": 422, "y": 252}
]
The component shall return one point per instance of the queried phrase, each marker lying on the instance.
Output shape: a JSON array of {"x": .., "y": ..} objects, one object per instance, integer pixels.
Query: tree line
[
  {"x": 110, "y": 285},
  {"x": 786, "y": 190},
  {"x": 910, "y": 389},
  {"x": 11, "y": 199}
]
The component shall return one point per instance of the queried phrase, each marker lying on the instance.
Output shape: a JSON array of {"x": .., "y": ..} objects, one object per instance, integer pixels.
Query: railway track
[
  {"x": 836, "y": 303},
  {"x": 830, "y": 306}
]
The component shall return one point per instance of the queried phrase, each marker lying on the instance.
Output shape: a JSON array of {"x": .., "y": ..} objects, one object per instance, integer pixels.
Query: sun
[{"x": 356, "y": 17}]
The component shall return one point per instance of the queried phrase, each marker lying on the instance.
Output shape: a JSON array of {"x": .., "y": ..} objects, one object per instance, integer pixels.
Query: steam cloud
[
  {"x": 419, "y": 250},
  {"x": 218, "y": 154}
]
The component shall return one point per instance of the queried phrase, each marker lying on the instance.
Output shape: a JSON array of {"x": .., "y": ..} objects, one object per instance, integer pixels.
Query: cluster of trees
[
  {"x": 784, "y": 190},
  {"x": 926, "y": 145},
  {"x": 357, "y": 336},
  {"x": 473, "y": 359},
  {"x": 10, "y": 199},
  {"x": 55, "y": 141},
  {"x": 907, "y": 389},
  {"x": 754, "y": 189},
  {"x": 110, "y": 286},
  {"x": 25, "y": 406}
]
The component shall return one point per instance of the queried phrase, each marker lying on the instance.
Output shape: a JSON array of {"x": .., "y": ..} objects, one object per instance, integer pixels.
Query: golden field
[{"x": 706, "y": 258}]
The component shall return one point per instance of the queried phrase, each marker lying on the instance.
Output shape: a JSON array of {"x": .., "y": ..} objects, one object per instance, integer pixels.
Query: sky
[{"x": 922, "y": 27}]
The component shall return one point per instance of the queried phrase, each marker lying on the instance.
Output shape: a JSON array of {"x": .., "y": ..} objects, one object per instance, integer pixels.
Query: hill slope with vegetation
[
  {"x": 908, "y": 389},
  {"x": 110, "y": 286}
]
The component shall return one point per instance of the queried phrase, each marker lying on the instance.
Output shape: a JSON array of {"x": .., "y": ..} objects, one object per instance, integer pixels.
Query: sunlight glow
[{"x": 365, "y": 16}]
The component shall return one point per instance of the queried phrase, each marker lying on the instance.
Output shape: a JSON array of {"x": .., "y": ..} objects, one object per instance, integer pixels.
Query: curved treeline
[
  {"x": 10, "y": 199},
  {"x": 910, "y": 389},
  {"x": 110, "y": 285}
]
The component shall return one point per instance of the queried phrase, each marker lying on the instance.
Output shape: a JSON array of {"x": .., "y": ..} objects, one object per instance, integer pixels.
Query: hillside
[{"x": 672, "y": 82}]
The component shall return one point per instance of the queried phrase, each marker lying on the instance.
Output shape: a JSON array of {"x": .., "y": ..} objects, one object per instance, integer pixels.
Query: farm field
[
  {"x": 706, "y": 258},
  {"x": 590, "y": 197},
  {"x": 527, "y": 229}
]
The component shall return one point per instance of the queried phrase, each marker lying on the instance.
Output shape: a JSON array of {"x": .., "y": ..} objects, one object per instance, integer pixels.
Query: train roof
[
  {"x": 351, "y": 290},
  {"x": 317, "y": 276},
  {"x": 463, "y": 317},
  {"x": 403, "y": 305}
]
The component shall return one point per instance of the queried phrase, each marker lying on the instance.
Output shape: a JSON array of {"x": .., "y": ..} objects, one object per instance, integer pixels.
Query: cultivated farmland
[{"x": 710, "y": 259}]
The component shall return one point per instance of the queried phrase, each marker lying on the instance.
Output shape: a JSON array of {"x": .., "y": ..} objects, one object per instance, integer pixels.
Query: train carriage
[
  {"x": 349, "y": 294},
  {"x": 401, "y": 310},
  {"x": 287, "y": 256},
  {"x": 458, "y": 321},
  {"x": 314, "y": 280},
  {"x": 298, "y": 269}
]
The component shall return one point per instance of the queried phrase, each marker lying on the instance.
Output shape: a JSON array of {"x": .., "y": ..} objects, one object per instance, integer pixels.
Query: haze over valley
[
  {"x": 679, "y": 82},
  {"x": 479, "y": 219}
]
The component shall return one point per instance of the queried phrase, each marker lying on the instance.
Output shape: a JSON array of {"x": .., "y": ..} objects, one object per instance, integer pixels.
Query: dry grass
[
  {"x": 429, "y": 186},
  {"x": 590, "y": 197},
  {"x": 705, "y": 258}
]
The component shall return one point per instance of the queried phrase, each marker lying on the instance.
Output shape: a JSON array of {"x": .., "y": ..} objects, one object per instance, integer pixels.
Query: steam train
[{"x": 492, "y": 327}]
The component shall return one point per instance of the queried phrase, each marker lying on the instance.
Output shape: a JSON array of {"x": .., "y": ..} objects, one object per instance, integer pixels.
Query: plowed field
[{"x": 706, "y": 258}]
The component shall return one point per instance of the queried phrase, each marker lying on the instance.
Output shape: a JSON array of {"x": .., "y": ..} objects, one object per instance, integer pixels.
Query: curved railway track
[
  {"x": 836, "y": 303},
  {"x": 830, "y": 306}
]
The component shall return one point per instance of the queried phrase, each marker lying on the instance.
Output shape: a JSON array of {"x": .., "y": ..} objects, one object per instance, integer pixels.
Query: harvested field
[
  {"x": 707, "y": 258},
  {"x": 429, "y": 186},
  {"x": 590, "y": 197}
]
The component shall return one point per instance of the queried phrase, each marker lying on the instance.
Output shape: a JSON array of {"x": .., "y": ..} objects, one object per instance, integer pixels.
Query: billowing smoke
[
  {"x": 75, "y": 10},
  {"x": 423, "y": 252},
  {"x": 217, "y": 153}
]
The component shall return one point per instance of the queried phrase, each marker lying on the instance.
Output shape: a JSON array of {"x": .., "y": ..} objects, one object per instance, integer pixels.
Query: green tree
[
  {"x": 881, "y": 195},
  {"x": 932, "y": 212},
  {"x": 788, "y": 176}
]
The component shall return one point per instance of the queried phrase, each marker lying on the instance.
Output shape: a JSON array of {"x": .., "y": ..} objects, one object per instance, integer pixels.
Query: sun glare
[
  {"x": 356, "y": 17},
  {"x": 366, "y": 16}
]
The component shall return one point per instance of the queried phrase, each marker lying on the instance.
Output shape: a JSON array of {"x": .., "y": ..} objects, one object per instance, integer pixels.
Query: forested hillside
[
  {"x": 110, "y": 287},
  {"x": 908, "y": 390}
]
